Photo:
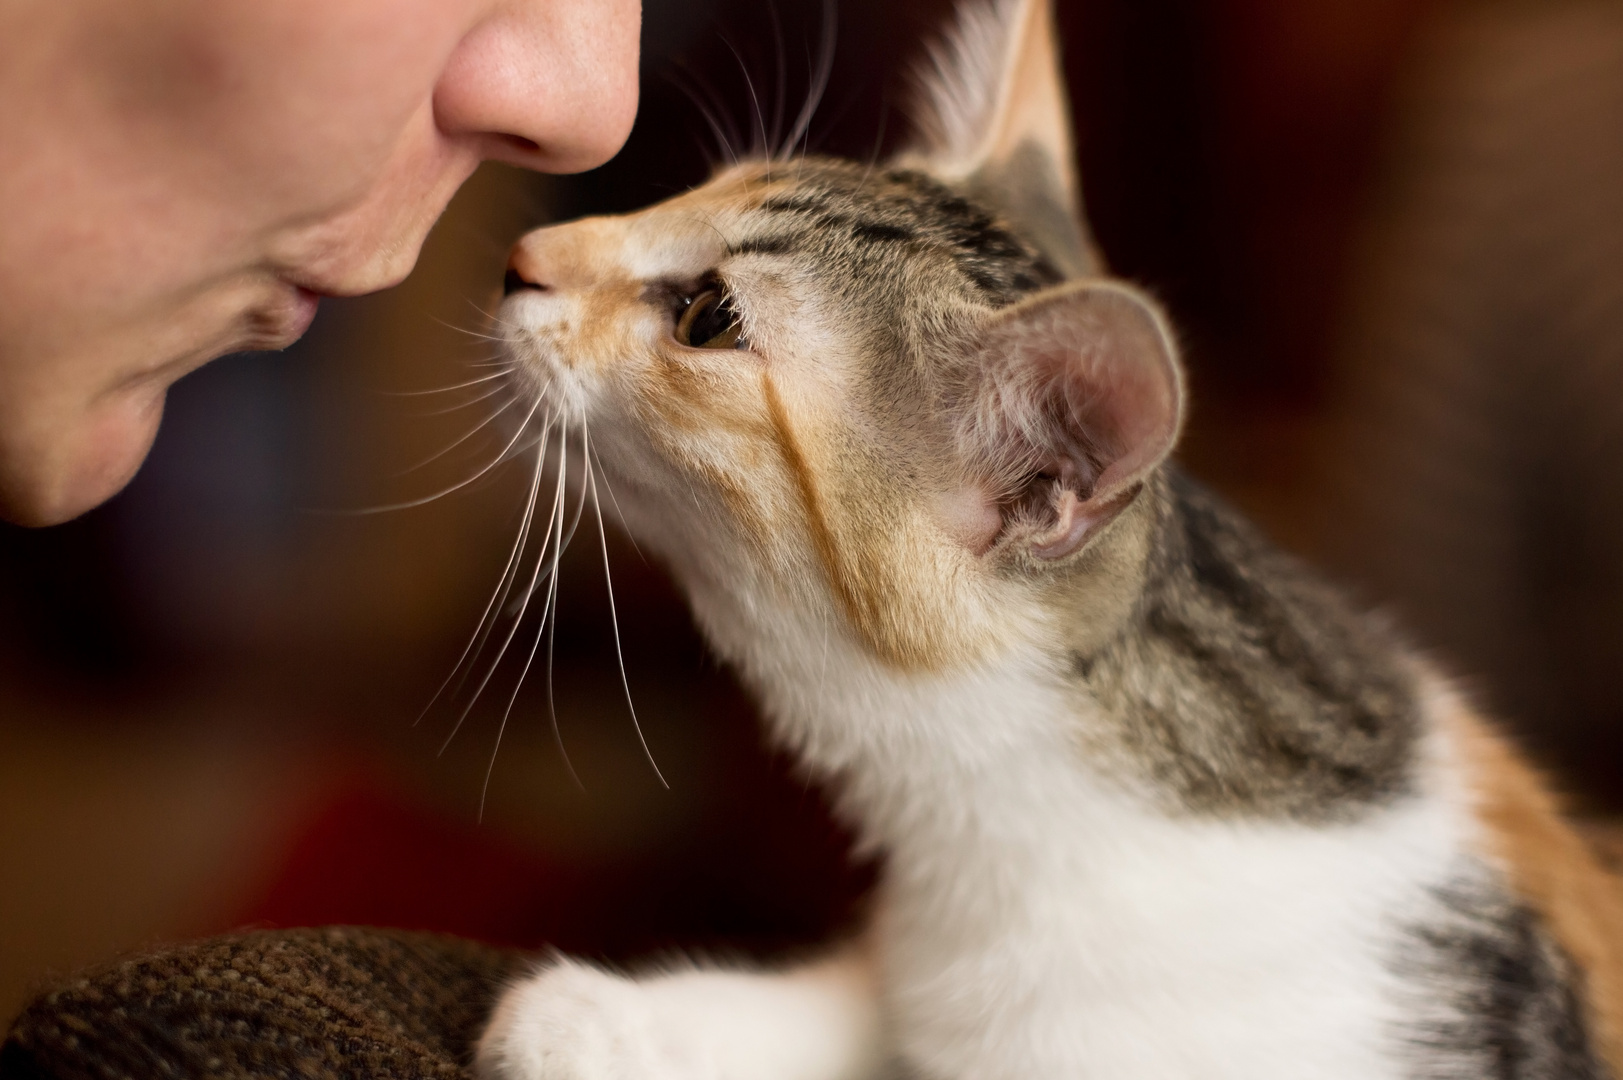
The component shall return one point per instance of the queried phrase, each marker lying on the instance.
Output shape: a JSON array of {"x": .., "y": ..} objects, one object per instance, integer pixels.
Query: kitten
[{"x": 1153, "y": 802}]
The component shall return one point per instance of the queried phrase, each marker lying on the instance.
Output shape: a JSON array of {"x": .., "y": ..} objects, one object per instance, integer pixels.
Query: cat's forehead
[{"x": 871, "y": 223}]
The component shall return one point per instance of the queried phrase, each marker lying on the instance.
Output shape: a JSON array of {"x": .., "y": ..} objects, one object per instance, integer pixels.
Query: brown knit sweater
[{"x": 333, "y": 1003}]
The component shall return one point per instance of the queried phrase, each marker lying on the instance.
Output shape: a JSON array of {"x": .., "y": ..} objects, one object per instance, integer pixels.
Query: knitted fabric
[{"x": 332, "y": 1003}]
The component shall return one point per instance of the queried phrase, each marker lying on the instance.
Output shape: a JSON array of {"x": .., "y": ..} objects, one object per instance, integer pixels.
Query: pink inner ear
[
  {"x": 1132, "y": 421},
  {"x": 1077, "y": 519},
  {"x": 1090, "y": 387}
]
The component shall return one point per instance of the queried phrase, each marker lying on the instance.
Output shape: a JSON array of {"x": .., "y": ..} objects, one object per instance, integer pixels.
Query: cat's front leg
[{"x": 573, "y": 1021}]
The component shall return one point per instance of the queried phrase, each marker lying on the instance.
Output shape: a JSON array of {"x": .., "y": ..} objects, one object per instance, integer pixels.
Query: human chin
[{"x": 58, "y": 471}]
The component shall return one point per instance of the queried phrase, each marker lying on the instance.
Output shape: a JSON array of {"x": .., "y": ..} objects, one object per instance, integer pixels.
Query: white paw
[{"x": 574, "y": 1022}]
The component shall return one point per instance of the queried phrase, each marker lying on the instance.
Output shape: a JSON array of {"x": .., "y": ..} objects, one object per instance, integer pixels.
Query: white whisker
[
  {"x": 614, "y": 618},
  {"x": 782, "y": 69},
  {"x": 481, "y": 335},
  {"x": 502, "y": 586},
  {"x": 552, "y": 637},
  {"x": 476, "y": 429},
  {"x": 724, "y": 140},
  {"x": 425, "y": 500},
  {"x": 496, "y": 320},
  {"x": 819, "y": 83},
  {"x": 505, "y": 587},
  {"x": 621, "y": 513},
  {"x": 529, "y": 591},
  {"x": 506, "y": 367},
  {"x": 523, "y": 676},
  {"x": 470, "y": 403},
  {"x": 759, "y": 145}
]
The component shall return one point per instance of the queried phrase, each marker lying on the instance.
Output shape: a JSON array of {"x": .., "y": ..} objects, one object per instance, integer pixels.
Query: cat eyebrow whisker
[
  {"x": 878, "y": 145},
  {"x": 781, "y": 71},
  {"x": 758, "y": 144},
  {"x": 710, "y": 108},
  {"x": 614, "y": 618},
  {"x": 707, "y": 222},
  {"x": 819, "y": 81}
]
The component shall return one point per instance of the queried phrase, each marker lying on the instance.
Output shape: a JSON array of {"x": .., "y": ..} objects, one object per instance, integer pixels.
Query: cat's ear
[
  {"x": 1077, "y": 396},
  {"x": 993, "y": 117}
]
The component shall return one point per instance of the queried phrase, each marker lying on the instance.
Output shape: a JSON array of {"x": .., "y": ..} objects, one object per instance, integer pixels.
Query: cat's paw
[{"x": 574, "y": 1022}]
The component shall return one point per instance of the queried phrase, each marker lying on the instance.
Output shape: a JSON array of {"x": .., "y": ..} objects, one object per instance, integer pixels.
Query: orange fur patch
[
  {"x": 894, "y": 628},
  {"x": 1552, "y": 870}
]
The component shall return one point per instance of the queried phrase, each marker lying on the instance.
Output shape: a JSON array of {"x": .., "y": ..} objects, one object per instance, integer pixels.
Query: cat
[{"x": 1152, "y": 800}]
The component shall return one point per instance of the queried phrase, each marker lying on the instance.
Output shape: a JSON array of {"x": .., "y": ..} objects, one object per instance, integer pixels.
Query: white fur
[
  {"x": 571, "y": 1021},
  {"x": 1039, "y": 920}
]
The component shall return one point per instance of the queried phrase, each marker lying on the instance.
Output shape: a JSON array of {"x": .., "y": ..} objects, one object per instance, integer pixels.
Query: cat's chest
[{"x": 1065, "y": 924}]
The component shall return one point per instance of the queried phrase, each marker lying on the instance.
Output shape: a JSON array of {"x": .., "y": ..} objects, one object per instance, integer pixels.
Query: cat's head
[{"x": 903, "y": 400}]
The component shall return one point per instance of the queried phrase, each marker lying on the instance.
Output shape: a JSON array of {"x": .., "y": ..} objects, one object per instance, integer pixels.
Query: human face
[{"x": 185, "y": 178}]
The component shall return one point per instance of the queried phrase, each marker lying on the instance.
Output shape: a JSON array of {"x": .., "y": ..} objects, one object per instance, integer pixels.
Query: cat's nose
[{"x": 519, "y": 277}]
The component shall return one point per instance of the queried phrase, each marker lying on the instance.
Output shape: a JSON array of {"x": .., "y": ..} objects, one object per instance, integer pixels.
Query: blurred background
[{"x": 1390, "y": 230}]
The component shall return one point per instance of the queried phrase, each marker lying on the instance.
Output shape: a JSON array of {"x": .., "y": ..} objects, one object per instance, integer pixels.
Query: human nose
[{"x": 545, "y": 84}]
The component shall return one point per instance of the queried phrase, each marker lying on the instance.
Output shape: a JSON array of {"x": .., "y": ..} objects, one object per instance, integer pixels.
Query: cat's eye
[{"x": 709, "y": 322}]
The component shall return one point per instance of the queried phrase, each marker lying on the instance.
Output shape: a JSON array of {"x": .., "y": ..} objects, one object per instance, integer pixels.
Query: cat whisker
[
  {"x": 552, "y": 637},
  {"x": 510, "y": 577},
  {"x": 782, "y": 69},
  {"x": 819, "y": 81},
  {"x": 758, "y": 144},
  {"x": 616, "y": 501},
  {"x": 494, "y": 319},
  {"x": 878, "y": 143},
  {"x": 458, "y": 486},
  {"x": 706, "y": 110},
  {"x": 506, "y": 367},
  {"x": 468, "y": 404},
  {"x": 523, "y": 676},
  {"x": 614, "y": 618},
  {"x": 529, "y": 592},
  {"x": 711, "y": 225},
  {"x": 503, "y": 585},
  {"x": 481, "y": 335},
  {"x": 715, "y": 105}
]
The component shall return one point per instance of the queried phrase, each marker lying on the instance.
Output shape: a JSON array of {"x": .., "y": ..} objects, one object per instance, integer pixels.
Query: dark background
[{"x": 208, "y": 688}]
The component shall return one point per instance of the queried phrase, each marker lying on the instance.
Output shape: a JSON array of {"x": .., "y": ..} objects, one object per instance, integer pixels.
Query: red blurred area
[{"x": 369, "y": 854}]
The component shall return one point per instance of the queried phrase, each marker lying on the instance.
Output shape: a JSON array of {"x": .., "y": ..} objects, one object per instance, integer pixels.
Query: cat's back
[{"x": 1246, "y": 688}]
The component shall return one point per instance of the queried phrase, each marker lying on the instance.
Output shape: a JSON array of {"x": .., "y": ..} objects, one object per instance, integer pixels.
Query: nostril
[{"x": 514, "y": 281}]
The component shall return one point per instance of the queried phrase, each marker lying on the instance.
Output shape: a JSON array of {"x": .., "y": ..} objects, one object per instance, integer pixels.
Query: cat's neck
[
  {"x": 1240, "y": 685},
  {"x": 912, "y": 754}
]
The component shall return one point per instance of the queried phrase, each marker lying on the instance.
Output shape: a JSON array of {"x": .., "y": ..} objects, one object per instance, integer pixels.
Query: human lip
[
  {"x": 288, "y": 318},
  {"x": 303, "y": 312}
]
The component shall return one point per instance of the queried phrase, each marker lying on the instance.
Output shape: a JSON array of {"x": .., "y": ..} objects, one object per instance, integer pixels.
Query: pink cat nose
[{"x": 521, "y": 274}]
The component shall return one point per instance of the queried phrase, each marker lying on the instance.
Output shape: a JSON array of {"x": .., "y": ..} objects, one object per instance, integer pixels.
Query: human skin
[{"x": 183, "y": 179}]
